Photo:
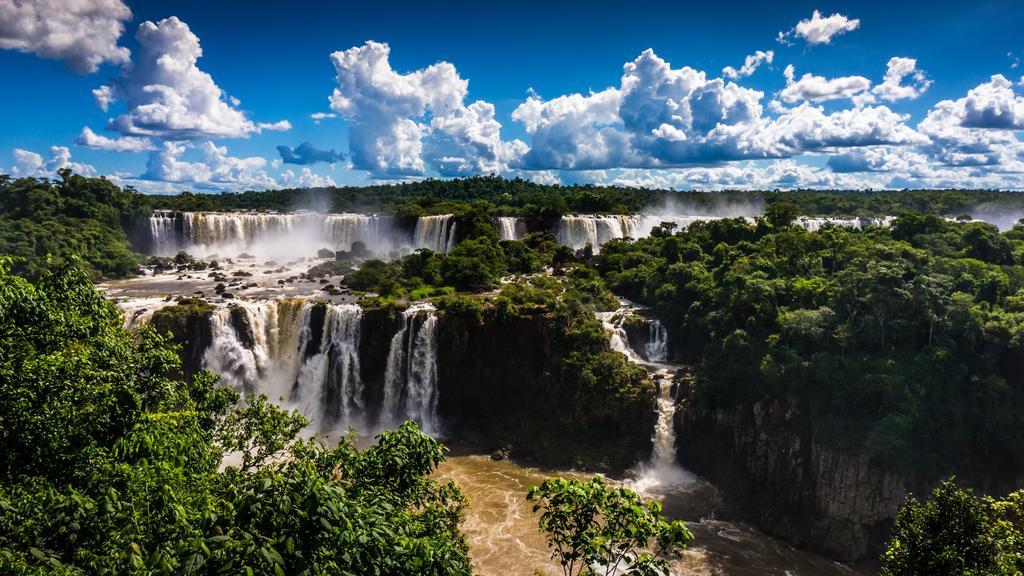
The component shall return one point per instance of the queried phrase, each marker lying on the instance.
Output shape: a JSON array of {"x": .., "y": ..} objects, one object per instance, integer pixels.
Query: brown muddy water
[{"x": 504, "y": 540}]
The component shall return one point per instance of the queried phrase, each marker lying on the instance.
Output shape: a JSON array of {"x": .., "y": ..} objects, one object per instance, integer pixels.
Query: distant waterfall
[
  {"x": 268, "y": 234},
  {"x": 656, "y": 349},
  {"x": 579, "y": 230},
  {"x": 163, "y": 231},
  {"x": 511, "y": 228},
  {"x": 410, "y": 381},
  {"x": 343, "y": 230},
  {"x": 435, "y": 232},
  {"x": 813, "y": 224}
]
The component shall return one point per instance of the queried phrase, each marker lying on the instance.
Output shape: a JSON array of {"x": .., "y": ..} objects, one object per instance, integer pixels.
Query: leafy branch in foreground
[
  {"x": 957, "y": 532},
  {"x": 594, "y": 528}
]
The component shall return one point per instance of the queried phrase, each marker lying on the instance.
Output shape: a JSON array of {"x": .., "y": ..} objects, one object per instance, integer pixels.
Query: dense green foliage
[
  {"x": 594, "y": 528},
  {"x": 72, "y": 217},
  {"x": 957, "y": 533},
  {"x": 476, "y": 264},
  {"x": 908, "y": 339},
  {"x": 111, "y": 465}
]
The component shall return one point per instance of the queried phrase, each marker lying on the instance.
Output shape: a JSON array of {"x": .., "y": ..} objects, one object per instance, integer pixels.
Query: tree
[
  {"x": 112, "y": 463},
  {"x": 592, "y": 526},
  {"x": 957, "y": 533}
]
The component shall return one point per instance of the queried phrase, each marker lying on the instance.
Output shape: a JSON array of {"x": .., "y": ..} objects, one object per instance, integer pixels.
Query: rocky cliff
[
  {"x": 504, "y": 382},
  {"x": 767, "y": 457}
]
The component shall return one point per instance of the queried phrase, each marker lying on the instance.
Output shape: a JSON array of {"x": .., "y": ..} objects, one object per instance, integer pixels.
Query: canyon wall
[{"x": 767, "y": 457}]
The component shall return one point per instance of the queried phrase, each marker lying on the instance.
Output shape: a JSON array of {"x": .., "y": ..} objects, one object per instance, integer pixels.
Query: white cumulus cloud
[
  {"x": 166, "y": 94},
  {"x": 401, "y": 123},
  {"x": 819, "y": 30},
  {"x": 90, "y": 139},
  {"x": 32, "y": 164},
  {"x": 215, "y": 168},
  {"x": 820, "y": 89},
  {"x": 82, "y": 33},
  {"x": 892, "y": 87},
  {"x": 750, "y": 65}
]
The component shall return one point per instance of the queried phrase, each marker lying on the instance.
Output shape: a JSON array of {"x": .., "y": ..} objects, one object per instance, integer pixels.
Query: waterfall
[
  {"x": 268, "y": 234},
  {"x": 664, "y": 454},
  {"x": 410, "y": 380},
  {"x": 329, "y": 382},
  {"x": 579, "y": 230},
  {"x": 435, "y": 232},
  {"x": 661, "y": 470},
  {"x": 813, "y": 224},
  {"x": 162, "y": 230},
  {"x": 656, "y": 349},
  {"x": 343, "y": 230},
  {"x": 276, "y": 348},
  {"x": 511, "y": 228}
]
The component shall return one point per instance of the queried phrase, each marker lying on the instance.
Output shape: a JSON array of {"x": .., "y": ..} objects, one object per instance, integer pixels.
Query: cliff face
[
  {"x": 501, "y": 383},
  {"x": 190, "y": 328},
  {"x": 795, "y": 486}
]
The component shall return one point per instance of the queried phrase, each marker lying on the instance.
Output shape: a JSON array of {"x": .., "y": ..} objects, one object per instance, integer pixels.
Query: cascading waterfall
[
  {"x": 343, "y": 230},
  {"x": 268, "y": 234},
  {"x": 661, "y": 470},
  {"x": 329, "y": 382},
  {"x": 656, "y": 349},
  {"x": 664, "y": 454},
  {"x": 511, "y": 228},
  {"x": 410, "y": 380},
  {"x": 275, "y": 348},
  {"x": 162, "y": 231},
  {"x": 435, "y": 232},
  {"x": 579, "y": 230}
]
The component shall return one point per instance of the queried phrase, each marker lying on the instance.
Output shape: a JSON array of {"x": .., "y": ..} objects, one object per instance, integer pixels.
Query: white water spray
[{"x": 410, "y": 381}]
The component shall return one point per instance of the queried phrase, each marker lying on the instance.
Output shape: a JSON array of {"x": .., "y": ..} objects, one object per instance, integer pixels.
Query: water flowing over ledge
[
  {"x": 302, "y": 233},
  {"x": 308, "y": 355}
]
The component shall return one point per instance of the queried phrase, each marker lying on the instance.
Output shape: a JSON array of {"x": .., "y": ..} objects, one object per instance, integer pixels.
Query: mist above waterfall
[{"x": 711, "y": 206}]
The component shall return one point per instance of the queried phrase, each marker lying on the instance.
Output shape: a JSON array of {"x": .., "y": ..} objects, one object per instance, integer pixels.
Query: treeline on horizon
[
  {"x": 518, "y": 197},
  {"x": 90, "y": 217}
]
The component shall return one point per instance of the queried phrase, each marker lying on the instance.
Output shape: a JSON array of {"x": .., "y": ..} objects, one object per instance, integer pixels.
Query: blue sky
[{"x": 534, "y": 89}]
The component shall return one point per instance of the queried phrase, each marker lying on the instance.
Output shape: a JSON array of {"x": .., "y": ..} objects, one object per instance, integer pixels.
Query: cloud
[
  {"x": 977, "y": 130},
  {"x": 892, "y": 87},
  {"x": 307, "y": 153},
  {"x": 660, "y": 117},
  {"x": 807, "y": 128},
  {"x": 104, "y": 96},
  {"x": 167, "y": 96},
  {"x": 215, "y": 169},
  {"x": 991, "y": 105},
  {"x": 306, "y": 179},
  {"x": 31, "y": 164},
  {"x": 879, "y": 159},
  {"x": 820, "y": 30},
  {"x": 750, "y": 65},
  {"x": 279, "y": 126},
  {"x": 400, "y": 123},
  {"x": 319, "y": 116},
  {"x": 82, "y": 33},
  {"x": 819, "y": 89},
  {"x": 90, "y": 139}
]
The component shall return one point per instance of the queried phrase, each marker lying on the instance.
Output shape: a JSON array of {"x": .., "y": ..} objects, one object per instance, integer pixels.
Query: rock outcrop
[{"x": 795, "y": 486}]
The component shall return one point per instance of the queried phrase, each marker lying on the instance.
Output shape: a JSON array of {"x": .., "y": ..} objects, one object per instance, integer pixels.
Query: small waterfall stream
[
  {"x": 410, "y": 380},
  {"x": 662, "y": 470}
]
